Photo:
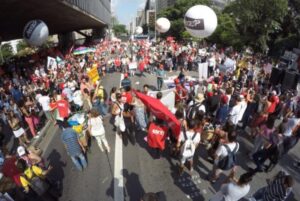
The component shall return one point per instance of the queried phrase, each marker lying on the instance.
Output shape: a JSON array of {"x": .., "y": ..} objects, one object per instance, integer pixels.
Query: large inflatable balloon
[
  {"x": 35, "y": 32},
  {"x": 139, "y": 30},
  {"x": 163, "y": 25},
  {"x": 200, "y": 21}
]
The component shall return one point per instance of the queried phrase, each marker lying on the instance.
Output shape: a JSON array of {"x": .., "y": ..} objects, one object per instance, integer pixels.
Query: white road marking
[{"x": 118, "y": 167}]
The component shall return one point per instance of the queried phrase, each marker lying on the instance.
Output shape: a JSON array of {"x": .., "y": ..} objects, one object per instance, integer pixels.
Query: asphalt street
[{"x": 141, "y": 172}]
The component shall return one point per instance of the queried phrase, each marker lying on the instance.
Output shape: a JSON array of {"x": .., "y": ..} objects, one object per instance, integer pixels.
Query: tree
[
  {"x": 6, "y": 51},
  {"x": 257, "y": 20},
  {"x": 21, "y": 45},
  {"x": 227, "y": 33},
  {"x": 119, "y": 29},
  {"x": 176, "y": 15}
]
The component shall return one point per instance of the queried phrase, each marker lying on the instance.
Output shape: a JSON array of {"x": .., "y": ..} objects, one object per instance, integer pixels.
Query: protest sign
[
  {"x": 203, "y": 71},
  {"x": 51, "y": 63},
  {"x": 93, "y": 74}
]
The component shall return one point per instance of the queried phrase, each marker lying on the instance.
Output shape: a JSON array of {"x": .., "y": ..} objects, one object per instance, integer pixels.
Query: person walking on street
[
  {"x": 277, "y": 190},
  {"x": 160, "y": 73},
  {"x": 188, "y": 142},
  {"x": 74, "y": 147},
  {"x": 236, "y": 189},
  {"x": 96, "y": 129},
  {"x": 224, "y": 158},
  {"x": 125, "y": 83}
]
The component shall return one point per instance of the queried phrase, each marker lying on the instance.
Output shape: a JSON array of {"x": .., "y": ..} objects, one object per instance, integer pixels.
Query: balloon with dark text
[
  {"x": 36, "y": 32},
  {"x": 200, "y": 21}
]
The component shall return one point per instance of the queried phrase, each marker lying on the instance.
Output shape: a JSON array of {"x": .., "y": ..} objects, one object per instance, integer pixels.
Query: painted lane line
[{"x": 118, "y": 167}]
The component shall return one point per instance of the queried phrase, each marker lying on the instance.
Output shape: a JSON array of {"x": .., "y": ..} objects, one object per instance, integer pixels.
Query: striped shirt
[
  {"x": 70, "y": 138},
  {"x": 276, "y": 191}
]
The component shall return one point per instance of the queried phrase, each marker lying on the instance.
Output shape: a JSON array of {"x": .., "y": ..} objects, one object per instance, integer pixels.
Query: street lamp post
[{"x": 155, "y": 20}]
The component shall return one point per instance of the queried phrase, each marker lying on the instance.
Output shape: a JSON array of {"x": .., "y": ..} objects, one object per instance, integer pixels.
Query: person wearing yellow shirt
[{"x": 33, "y": 178}]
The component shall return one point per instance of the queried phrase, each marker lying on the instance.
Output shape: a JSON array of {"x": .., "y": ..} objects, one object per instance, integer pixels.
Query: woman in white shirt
[
  {"x": 96, "y": 129},
  {"x": 235, "y": 189}
]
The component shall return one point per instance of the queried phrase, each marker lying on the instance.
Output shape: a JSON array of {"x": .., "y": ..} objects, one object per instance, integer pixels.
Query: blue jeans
[
  {"x": 79, "y": 161},
  {"x": 101, "y": 107},
  {"x": 259, "y": 194}
]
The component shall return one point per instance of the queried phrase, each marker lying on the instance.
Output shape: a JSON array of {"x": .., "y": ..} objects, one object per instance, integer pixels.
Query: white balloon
[
  {"x": 200, "y": 21},
  {"x": 35, "y": 32},
  {"x": 163, "y": 25},
  {"x": 139, "y": 30}
]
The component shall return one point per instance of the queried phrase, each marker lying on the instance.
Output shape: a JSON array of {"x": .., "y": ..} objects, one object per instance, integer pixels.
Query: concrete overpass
[{"x": 61, "y": 16}]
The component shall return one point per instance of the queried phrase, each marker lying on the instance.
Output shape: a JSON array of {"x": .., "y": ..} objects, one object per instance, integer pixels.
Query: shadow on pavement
[
  {"x": 57, "y": 174},
  {"x": 133, "y": 187}
]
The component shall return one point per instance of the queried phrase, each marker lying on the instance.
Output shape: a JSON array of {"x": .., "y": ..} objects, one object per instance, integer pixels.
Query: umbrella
[
  {"x": 160, "y": 111},
  {"x": 83, "y": 50}
]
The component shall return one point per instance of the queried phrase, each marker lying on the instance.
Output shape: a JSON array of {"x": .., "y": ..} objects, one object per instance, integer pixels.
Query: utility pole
[{"x": 155, "y": 20}]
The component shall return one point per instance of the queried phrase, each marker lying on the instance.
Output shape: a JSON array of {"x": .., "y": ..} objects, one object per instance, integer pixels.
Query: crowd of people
[{"x": 212, "y": 112}]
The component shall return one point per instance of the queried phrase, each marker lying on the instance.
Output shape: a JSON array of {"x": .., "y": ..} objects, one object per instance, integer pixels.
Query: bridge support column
[
  {"x": 66, "y": 40},
  {"x": 99, "y": 33}
]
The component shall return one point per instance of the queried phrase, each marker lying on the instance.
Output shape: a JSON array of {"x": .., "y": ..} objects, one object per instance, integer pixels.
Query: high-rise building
[{"x": 162, "y": 4}]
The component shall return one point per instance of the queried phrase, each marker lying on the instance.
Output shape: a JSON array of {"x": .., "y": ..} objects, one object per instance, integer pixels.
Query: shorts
[{"x": 184, "y": 159}]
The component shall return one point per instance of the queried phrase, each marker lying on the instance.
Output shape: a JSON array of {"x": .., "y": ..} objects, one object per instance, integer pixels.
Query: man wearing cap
[
  {"x": 125, "y": 83},
  {"x": 160, "y": 73}
]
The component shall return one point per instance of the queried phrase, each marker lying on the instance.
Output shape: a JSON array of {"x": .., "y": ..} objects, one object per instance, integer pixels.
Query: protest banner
[
  {"x": 168, "y": 98},
  {"x": 203, "y": 71}
]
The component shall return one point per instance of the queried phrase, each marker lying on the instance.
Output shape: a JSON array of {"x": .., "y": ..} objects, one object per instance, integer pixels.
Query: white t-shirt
[
  {"x": 45, "y": 102},
  {"x": 222, "y": 151},
  {"x": 243, "y": 109},
  {"x": 231, "y": 192},
  {"x": 234, "y": 114},
  {"x": 96, "y": 126}
]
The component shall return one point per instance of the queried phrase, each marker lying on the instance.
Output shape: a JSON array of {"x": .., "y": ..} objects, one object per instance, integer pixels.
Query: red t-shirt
[
  {"x": 117, "y": 62},
  {"x": 156, "y": 136},
  {"x": 141, "y": 66},
  {"x": 127, "y": 97},
  {"x": 180, "y": 93},
  {"x": 63, "y": 108}
]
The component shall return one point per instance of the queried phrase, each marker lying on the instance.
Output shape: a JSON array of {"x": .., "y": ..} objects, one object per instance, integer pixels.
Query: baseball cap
[{"x": 21, "y": 151}]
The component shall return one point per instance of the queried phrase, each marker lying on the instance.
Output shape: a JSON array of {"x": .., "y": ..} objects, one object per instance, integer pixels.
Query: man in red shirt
[{"x": 157, "y": 134}]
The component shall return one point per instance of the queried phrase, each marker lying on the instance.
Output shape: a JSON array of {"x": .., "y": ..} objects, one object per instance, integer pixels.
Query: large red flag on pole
[{"x": 160, "y": 111}]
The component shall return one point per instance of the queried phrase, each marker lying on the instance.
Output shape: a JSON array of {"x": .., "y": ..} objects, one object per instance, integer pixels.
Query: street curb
[{"x": 42, "y": 134}]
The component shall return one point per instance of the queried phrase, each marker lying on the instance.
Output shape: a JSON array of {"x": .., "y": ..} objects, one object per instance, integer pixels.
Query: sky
[{"x": 126, "y": 10}]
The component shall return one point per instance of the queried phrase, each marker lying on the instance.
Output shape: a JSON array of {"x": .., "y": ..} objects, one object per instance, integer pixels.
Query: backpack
[
  {"x": 228, "y": 161},
  {"x": 188, "y": 147},
  {"x": 193, "y": 111}
]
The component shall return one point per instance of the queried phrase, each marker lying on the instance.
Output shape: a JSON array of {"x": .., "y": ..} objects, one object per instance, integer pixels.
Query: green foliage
[
  {"x": 257, "y": 20},
  {"x": 7, "y": 51},
  {"x": 119, "y": 29},
  {"x": 227, "y": 33},
  {"x": 22, "y": 45}
]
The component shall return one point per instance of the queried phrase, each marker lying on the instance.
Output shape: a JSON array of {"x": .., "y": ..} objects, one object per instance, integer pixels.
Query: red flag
[
  {"x": 156, "y": 136},
  {"x": 161, "y": 112}
]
